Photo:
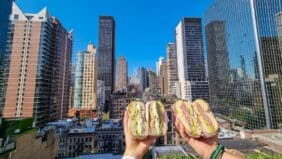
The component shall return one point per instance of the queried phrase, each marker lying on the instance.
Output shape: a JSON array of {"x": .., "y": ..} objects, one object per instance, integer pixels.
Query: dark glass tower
[
  {"x": 252, "y": 32},
  {"x": 106, "y": 54},
  {"x": 5, "y": 11},
  {"x": 218, "y": 61}
]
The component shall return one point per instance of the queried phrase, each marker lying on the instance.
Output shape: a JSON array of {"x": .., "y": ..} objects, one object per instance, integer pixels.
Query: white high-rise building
[
  {"x": 158, "y": 64},
  {"x": 190, "y": 60}
]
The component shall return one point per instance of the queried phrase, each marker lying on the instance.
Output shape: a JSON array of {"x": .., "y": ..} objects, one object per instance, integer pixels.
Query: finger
[
  {"x": 174, "y": 116},
  {"x": 183, "y": 133},
  {"x": 177, "y": 123},
  {"x": 150, "y": 140},
  {"x": 125, "y": 121}
]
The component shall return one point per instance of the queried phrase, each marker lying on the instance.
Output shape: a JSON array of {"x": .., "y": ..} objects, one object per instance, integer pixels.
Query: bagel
[
  {"x": 156, "y": 118},
  {"x": 137, "y": 122},
  {"x": 196, "y": 118},
  {"x": 205, "y": 118},
  {"x": 149, "y": 120},
  {"x": 185, "y": 113}
]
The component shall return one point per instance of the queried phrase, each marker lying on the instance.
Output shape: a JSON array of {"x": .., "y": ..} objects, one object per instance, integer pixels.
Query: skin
[
  {"x": 135, "y": 148},
  {"x": 203, "y": 146}
]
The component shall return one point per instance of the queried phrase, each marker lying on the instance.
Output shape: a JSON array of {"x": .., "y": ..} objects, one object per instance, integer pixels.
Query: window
[{"x": 16, "y": 16}]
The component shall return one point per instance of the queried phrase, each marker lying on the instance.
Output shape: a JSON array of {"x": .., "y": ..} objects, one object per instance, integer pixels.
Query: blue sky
[{"x": 144, "y": 27}]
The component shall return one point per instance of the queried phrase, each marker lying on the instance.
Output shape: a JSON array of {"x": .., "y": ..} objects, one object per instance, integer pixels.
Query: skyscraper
[
  {"x": 62, "y": 57},
  {"x": 106, "y": 54},
  {"x": 122, "y": 74},
  {"x": 190, "y": 59},
  {"x": 158, "y": 65},
  {"x": 39, "y": 71},
  {"x": 100, "y": 95},
  {"x": 85, "y": 92},
  {"x": 78, "y": 80},
  {"x": 142, "y": 78},
  {"x": 5, "y": 11},
  {"x": 89, "y": 89},
  {"x": 253, "y": 48},
  {"x": 163, "y": 82},
  {"x": 171, "y": 68},
  {"x": 218, "y": 61},
  {"x": 153, "y": 80}
]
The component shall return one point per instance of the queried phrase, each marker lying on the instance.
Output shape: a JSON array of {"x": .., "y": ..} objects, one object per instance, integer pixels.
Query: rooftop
[
  {"x": 274, "y": 140},
  {"x": 98, "y": 156},
  {"x": 82, "y": 130}
]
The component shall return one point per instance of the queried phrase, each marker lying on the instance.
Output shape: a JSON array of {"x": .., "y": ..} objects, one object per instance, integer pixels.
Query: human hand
[
  {"x": 135, "y": 148},
  {"x": 203, "y": 146}
]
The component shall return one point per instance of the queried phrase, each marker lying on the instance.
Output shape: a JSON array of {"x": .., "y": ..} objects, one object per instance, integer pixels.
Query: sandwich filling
[
  {"x": 188, "y": 119},
  {"x": 138, "y": 116},
  {"x": 207, "y": 120},
  {"x": 156, "y": 112}
]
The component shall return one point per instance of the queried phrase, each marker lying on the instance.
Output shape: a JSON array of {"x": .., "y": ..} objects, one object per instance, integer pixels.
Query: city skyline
[
  {"x": 129, "y": 16},
  {"x": 210, "y": 72}
]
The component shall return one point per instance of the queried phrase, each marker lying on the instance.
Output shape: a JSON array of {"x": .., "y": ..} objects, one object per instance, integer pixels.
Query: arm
[
  {"x": 135, "y": 148},
  {"x": 205, "y": 146}
]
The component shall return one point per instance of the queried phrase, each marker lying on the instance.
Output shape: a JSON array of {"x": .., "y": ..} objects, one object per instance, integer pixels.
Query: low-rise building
[
  {"x": 109, "y": 138},
  {"x": 87, "y": 137},
  {"x": 78, "y": 141},
  {"x": 119, "y": 103}
]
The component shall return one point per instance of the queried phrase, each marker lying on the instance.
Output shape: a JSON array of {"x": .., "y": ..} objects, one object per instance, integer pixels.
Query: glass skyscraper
[
  {"x": 5, "y": 11},
  {"x": 106, "y": 53},
  {"x": 78, "y": 84},
  {"x": 243, "y": 40}
]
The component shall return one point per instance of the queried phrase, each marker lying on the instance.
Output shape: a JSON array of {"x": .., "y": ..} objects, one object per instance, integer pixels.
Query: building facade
[
  {"x": 85, "y": 92},
  {"x": 5, "y": 11},
  {"x": 106, "y": 54},
  {"x": 110, "y": 138},
  {"x": 62, "y": 65},
  {"x": 190, "y": 56},
  {"x": 39, "y": 71},
  {"x": 163, "y": 76},
  {"x": 122, "y": 75},
  {"x": 100, "y": 95},
  {"x": 77, "y": 141},
  {"x": 89, "y": 89},
  {"x": 119, "y": 102},
  {"x": 218, "y": 61},
  {"x": 142, "y": 78},
  {"x": 158, "y": 64},
  {"x": 171, "y": 68},
  {"x": 153, "y": 80},
  {"x": 251, "y": 50},
  {"x": 78, "y": 80}
]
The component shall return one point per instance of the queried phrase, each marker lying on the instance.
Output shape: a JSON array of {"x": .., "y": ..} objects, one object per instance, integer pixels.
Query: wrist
[
  {"x": 132, "y": 153},
  {"x": 218, "y": 152},
  {"x": 207, "y": 154}
]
